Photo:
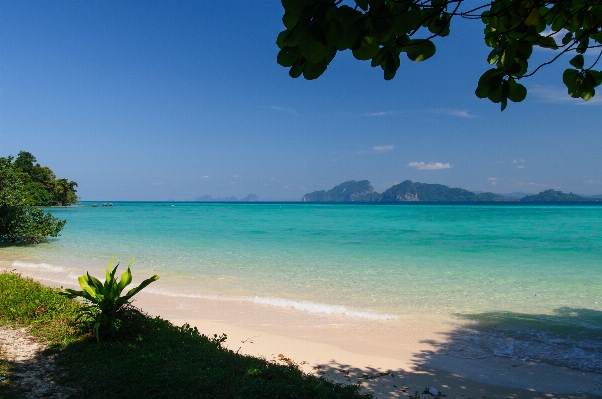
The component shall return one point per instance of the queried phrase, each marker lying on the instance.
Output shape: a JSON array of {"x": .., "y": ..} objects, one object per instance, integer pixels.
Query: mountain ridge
[{"x": 409, "y": 191}]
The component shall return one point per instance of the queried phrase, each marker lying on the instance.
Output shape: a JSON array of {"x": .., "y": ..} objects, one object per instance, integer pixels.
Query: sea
[{"x": 523, "y": 282}]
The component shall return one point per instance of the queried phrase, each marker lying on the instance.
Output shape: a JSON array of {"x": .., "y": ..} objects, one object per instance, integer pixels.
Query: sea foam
[
  {"x": 321, "y": 308},
  {"x": 30, "y": 265},
  {"x": 304, "y": 306}
]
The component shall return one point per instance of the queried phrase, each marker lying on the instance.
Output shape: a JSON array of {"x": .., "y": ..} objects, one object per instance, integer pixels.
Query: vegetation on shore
[
  {"x": 149, "y": 358},
  {"x": 40, "y": 185},
  {"x": 20, "y": 221}
]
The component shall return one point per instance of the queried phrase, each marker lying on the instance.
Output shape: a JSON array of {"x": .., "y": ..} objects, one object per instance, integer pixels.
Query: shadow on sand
[{"x": 547, "y": 356}]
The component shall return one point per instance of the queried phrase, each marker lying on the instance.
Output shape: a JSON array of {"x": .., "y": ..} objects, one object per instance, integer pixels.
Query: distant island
[
  {"x": 409, "y": 191},
  {"x": 207, "y": 198}
]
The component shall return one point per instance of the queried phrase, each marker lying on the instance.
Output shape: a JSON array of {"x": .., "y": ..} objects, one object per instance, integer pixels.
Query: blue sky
[{"x": 161, "y": 100}]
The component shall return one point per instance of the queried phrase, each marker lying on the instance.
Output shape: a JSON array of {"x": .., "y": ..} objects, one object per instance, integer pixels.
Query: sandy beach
[{"x": 390, "y": 358}]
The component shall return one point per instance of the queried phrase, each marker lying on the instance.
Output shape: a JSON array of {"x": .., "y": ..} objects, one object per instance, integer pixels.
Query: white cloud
[
  {"x": 493, "y": 180},
  {"x": 204, "y": 177},
  {"x": 591, "y": 181},
  {"x": 518, "y": 161},
  {"x": 283, "y": 109},
  {"x": 383, "y": 148},
  {"x": 377, "y": 113},
  {"x": 236, "y": 177},
  {"x": 548, "y": 94},
  {"x": 430, "y": 165},
  {"x": 455, "y": 112},
  {"x": 520, "y": 167}
]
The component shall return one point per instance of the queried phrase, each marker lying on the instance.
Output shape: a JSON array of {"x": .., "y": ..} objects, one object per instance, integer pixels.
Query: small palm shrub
[{"x": 106, "y": 305}]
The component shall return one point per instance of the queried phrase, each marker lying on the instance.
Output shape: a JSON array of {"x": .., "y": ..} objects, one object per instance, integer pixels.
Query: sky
[{"x": 173, "y": 100}]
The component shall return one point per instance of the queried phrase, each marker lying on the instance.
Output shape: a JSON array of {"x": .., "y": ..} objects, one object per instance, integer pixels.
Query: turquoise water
[{"x": 508, "y": 264}]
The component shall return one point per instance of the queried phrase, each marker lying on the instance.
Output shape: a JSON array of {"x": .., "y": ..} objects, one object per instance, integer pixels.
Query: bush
[{"x": 21, "y": 222}]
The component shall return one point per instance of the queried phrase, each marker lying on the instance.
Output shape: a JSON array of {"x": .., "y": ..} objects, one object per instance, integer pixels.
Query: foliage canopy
[
  {"x": 21, "y": 222},
  {"x": 380, "y": 30}
]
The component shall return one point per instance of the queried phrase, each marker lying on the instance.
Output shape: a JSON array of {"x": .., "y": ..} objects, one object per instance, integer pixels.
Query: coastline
[{"x": 383, "y": 356}]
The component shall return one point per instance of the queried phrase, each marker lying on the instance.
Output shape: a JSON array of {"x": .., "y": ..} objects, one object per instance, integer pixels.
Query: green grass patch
[{"x": 150, "y": 357}]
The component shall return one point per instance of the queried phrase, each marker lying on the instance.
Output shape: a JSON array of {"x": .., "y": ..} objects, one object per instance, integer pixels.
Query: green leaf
[
  {"x": 588, "y": 93},
  {"x": 142, "y": 285},
  {"x": 288, "y": 55},
  {"x": 517, "y": 92},
  {"x": 297, "y": 68},
  {"x": 407, "y": 21},
  {"x": 109, "y": 268},
  {"x": 547, "y": 42},
  {"x": 311, "y": 48},
  {"x": 569, "y": 76},
  {"x": 494, "y": 55},
  {"x": 381, "y": 29},
  {"x": 313, "y": 71},
  {"x": 422, "y": 51},
  {"x": 482, "y": 91},
  {"x": 280, "y": 40},
  {"x": 567, "y": 38},
  {"x": 367, "y": 50},
  {"x": 290, "y": 19},
  {"x": 577, "y": 61},
  {"x": 125, "y": 279}
]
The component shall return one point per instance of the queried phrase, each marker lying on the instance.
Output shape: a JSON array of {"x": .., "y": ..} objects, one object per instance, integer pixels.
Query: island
[{"x": 409, "y": 191}]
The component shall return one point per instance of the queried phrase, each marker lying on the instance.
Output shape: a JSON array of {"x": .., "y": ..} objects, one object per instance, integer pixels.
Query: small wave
[
  {"x": 29, "y": 265},
  {"x": 305, "y": 306},
  {"x": 321, "y": 308}
]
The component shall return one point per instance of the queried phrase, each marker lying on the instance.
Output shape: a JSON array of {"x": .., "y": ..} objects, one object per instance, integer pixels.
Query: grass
[{"x": 149, "y": 358}]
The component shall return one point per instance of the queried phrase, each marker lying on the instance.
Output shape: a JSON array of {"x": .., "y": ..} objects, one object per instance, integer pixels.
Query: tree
[
  {"x": 41, "y": 185},
  {"x": 380, "y": 30},
  {"x": 21, "y": 222}
]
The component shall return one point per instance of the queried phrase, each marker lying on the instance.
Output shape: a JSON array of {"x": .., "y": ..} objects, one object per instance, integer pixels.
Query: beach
[
  {"x": 388, "y": 359},
  {"x": 472, "y": 301}
]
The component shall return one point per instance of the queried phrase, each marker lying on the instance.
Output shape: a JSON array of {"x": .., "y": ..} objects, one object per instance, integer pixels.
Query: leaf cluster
[
  {"x": 380, "y": 30},
  {"x": 21, "y": 222},
  {"x": 106, "y": 301}
]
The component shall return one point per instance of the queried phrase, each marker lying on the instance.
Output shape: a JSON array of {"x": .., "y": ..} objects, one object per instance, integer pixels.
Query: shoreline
[{"x": 348, "y": 350}]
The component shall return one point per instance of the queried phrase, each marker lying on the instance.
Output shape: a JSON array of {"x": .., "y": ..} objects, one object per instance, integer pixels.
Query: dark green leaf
[
  {"x": 422, "y": 51},
  {"x": 311, "y": 48},
  {"x": 367, "y": 50},
  {"x": 313, "y": 71},
  {"x": 381, "y": 29},
  {"x": 517, "y": 92},
  {"x": 288, "y": 55},
  {"x": 290, "y": 19},
  {"x": 297, "y": 69},
  {"x": 407, "y": 21},
  {"x": 577, "y": 61}
]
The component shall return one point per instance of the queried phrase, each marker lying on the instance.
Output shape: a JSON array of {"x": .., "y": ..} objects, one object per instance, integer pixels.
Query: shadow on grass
[{"x": 165, "y": 361}]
